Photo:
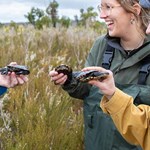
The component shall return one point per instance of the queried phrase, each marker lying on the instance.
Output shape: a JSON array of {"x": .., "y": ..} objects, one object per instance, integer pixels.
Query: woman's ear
[{"x": 137, "y": 8}]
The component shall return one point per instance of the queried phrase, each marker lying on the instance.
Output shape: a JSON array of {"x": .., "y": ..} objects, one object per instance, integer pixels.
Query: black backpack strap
[
  {"x": 145, "y": 64},
  {"x": 108, "y": 57},
  {"x": 144, "y": 70}
]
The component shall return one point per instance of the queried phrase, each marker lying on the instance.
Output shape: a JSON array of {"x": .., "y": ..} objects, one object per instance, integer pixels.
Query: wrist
[{"x": 109, "y": 96}]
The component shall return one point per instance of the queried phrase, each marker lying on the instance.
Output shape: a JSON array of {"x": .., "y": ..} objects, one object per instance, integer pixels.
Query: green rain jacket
[{"x": 100, "y": 132}]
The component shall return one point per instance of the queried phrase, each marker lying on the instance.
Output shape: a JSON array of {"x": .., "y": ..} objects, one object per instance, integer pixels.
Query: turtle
[
  {"x": 66, "y": 70},
  {"x": 86, "y": 76},
  {"x": 81, "y": 76},
  {"x": 18, "y": 69}
]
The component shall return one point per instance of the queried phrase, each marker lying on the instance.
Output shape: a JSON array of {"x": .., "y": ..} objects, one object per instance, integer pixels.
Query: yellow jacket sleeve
[{"x": 132, "y": 121}]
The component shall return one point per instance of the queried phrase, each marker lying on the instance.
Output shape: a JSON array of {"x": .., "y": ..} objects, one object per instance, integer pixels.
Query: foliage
[
  {"x": 52, "y": 11},
  {"x": 76, "y": 19},
  {"x": 88, "y": 17},
  {"x": 44, "y": 21},
  {"x": 37, "y": 18},
  {"x": 99, "y": 27},
  {"x": 1, "y": 25},
  {"x": 40, "y": 115},
  {"x": 64, "y": 21}
]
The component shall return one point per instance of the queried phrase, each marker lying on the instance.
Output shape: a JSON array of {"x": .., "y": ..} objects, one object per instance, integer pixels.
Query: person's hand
[
  {"x": 107, "y": 85},
  {"x": 11, "y": 79},
  {"x": 58, "y": 79}
]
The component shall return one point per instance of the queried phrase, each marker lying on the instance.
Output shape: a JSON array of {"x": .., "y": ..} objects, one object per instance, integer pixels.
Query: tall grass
[{"x": 40, "y": 115}]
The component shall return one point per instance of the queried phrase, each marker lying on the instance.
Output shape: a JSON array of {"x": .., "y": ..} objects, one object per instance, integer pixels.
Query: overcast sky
[{"x": 14, "y": 10}]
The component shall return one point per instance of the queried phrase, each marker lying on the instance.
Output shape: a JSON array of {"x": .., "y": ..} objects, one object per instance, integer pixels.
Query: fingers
[
  {"x": 58, "y": 79},
  {"x": 53, "y": 73},
  {"x": 107, "y": 85},
  {"x": 94, "y": 68},
  {"x": 12, "y": 80},
  {"x": 61, "y": 80},
  {"x": 22, "y": 79},
  {"x": 13, "y": 63},
  {"x": 15, "y": 80}
]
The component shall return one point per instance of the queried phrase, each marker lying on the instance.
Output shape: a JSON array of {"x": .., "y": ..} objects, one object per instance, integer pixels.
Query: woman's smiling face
[{"x": 118, "y": 21}]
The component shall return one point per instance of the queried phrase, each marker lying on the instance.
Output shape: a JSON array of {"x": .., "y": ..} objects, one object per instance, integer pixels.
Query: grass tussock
[{"x": 40, "y": 115}]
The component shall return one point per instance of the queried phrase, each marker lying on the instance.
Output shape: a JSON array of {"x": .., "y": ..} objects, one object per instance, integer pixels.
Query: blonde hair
[{"x": 144, "y": 15}]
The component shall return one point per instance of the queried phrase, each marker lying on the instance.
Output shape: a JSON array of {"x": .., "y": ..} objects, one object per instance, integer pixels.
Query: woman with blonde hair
[
  {"x": 132, "y": 121},
  {"x": 123, "y": 50}
]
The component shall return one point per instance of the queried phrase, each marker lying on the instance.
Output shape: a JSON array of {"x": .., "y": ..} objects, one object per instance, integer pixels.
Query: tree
[
  {"x": 34, "y": 15},
  {"x": 37, "y": 18},
  {"x": 88, "y": 17},
  {"x": 76, "y": 19},
  {"x": 65, "y": 21},
  {"x": 52, "y": 11}
]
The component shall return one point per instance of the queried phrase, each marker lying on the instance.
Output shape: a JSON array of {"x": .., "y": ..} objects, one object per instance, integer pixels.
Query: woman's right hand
[
  {"x": 58, "y": 79},
  {"x": 107, "y": 85}
]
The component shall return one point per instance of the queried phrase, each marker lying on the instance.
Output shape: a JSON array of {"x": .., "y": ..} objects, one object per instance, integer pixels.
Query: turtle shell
[
  {"x": 66, "y": 70},
  {"x": 85, "y": 76}
]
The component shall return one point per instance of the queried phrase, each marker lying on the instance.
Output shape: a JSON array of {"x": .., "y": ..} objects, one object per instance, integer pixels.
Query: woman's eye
[{"x": 108, "y": 7}]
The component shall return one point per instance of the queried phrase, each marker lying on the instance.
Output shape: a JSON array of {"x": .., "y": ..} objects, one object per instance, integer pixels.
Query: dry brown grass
[{"x": 40, "y": 115}]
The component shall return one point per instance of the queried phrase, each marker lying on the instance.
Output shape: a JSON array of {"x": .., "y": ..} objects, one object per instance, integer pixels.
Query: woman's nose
[{"x": 103, "y": 15}]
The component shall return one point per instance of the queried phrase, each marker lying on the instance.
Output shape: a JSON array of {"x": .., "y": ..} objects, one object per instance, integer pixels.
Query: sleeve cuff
[
  {"x": 2, "y": 90},
  {"x": 117, "y": 101}
]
